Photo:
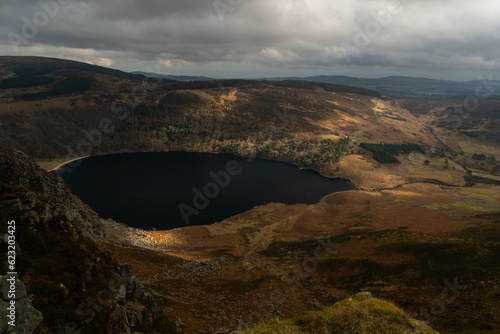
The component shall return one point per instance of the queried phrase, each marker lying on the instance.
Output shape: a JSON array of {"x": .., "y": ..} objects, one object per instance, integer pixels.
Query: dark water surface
[{"x": 173, "y": 189}]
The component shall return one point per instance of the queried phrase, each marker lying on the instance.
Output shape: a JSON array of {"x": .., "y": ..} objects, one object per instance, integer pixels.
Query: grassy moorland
[{"x": 358, "y": 314}]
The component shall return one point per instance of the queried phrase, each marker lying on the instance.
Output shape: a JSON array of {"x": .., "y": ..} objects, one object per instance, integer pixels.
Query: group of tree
[
  {"x": 25, "y": 82},
  {"x": 175, "y": 131},
  {"x": 480, "y": 157},
  {"x": 69, "y": 85},
  {"x": 386, "y": 153},
  {"x": 313, "y": 151}
]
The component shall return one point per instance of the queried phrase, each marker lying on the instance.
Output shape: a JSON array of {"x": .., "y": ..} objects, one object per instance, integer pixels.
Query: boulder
[{"x": 27, "y": 318}]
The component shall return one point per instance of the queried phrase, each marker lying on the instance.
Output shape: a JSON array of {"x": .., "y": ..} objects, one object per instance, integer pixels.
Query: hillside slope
[
  {"x": 430, "y": 249},
  {"x": 76, "y": 285},
  {"x": 291, "y": 121}
]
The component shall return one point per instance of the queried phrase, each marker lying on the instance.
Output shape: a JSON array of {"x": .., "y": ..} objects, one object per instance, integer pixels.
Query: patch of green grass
[
  {"x": 359, "y": 314},
  {"x": 9, "y": 192},
  {"x": 458, "y": 206}
]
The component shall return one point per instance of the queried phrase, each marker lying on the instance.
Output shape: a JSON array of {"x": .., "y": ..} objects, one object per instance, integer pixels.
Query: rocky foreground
[{"x": 71, "y": 284}]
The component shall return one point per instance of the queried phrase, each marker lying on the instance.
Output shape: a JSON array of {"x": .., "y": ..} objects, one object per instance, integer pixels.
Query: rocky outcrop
[
  {"x": 58, "y": 241},
  {"x": 42, "y": 195},
  {"x": 131, "y": 296},
  {"x": 24, "y": 318}
]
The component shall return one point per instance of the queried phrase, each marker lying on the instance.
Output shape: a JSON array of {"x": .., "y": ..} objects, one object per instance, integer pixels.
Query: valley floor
[{"x": 431, "y": 249}]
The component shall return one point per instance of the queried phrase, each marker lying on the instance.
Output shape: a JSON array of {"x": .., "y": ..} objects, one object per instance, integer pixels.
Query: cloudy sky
[{"x": 448, "y": 39}]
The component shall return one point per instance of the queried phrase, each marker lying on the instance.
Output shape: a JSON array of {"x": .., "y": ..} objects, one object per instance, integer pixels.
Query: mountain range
[{"x": 400, "y": 86}]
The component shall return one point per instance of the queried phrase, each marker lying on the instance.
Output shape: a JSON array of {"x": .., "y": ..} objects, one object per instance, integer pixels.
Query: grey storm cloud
[{"x": 255, "y": 38}]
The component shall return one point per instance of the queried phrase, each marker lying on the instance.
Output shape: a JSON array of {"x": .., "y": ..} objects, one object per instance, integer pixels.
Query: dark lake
[{"x": 175, "y": 189}]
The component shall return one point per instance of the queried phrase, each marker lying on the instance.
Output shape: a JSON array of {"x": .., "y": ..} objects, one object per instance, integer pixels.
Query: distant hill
[
  {"x": 40, "y": 78},
  {"x": 398, "y": 86},
  {"x": 401, "y": 86},
  {"x": 37, "y": 66},
  {"x": 45, "y": 103},
  {"x": 175, "y": 77}
]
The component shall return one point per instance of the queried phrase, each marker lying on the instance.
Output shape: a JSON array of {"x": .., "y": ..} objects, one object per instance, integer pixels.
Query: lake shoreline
[
  {"x": 60, "y": 166},
  {"x": 188, "y": 186}
]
